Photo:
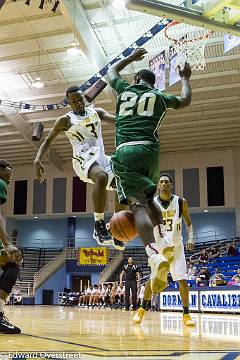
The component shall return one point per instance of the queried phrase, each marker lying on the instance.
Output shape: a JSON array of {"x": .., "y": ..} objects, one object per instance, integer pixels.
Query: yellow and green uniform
[
  {"x": 3, "y": 199},
  {"x": 139, "y": 113}
]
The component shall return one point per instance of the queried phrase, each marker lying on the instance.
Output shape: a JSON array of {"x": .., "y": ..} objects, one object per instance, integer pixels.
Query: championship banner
[
  {"x": 93, "y": 256},
  {"x": 173, "y": 71},
  {"x": 158, "y": 65},
  {"x": 230, "y": 41}
]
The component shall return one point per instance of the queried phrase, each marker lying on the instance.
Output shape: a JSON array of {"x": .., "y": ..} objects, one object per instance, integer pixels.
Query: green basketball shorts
[{"x": 136, "y": 170}]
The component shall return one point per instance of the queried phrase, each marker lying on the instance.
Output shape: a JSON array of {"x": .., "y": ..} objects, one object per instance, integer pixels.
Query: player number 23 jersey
[{"x": 172, "y": 217}]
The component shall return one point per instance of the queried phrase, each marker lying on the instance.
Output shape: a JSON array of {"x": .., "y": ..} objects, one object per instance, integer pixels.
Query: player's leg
[
  {"x": 178, "y": 270},
  {"x": 184, "y": 293},
  {"x": 145, "y": 305},
  {"x": 134, "y": 294},
  {"x": 158, "y": 263},
  {"x": 127, "y": 295},
  {"x": 7, "y": 282},
  {"x": 128, "y": 164},
  {"x": 100, "y": 179},
  {"x": 161, "y": 237}
]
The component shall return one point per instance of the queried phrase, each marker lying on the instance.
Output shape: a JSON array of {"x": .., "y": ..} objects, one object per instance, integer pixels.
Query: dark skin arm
[
  {"x": 188, "y": 222},
  {"x": 13, "y": 253},
  {"x": 105, "y": 116},
  {"x": 138, "y": 55},
  {"x": 62, "y": 124}
]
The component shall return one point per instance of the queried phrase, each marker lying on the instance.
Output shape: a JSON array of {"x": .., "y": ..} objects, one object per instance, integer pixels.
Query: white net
[{"x": 189, "y": 44}]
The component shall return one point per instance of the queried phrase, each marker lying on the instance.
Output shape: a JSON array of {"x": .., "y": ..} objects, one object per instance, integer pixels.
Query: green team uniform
[
  {"x": 139, "y": 114},
  {"x": 3, "y": 199}
]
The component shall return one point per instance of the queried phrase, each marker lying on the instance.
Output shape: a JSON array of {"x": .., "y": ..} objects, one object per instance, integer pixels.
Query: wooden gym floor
[{"x": 70, "y": 333}]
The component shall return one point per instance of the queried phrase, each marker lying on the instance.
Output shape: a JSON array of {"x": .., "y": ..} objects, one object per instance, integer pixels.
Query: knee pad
[
  {"x": 9, "y": 277},
  {"x": 137, "y": 205}
]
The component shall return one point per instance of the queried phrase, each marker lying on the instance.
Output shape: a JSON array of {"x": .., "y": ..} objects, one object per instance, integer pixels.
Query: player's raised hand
[
  {"x": 138, "y": 54},
  {"x": 186, "y": 72},
  {"x": 39, "y": 171}
]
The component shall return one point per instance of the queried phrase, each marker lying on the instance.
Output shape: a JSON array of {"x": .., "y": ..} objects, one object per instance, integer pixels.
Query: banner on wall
[
  {"x": 230, "y": 41},
  {"x": 173, "y": 71},
  {"x": 157, "y": 65},
  {"x": 171, "y": 300},
  {"x": 220, "y": 301},
  {"x": 93, "y": 256}
]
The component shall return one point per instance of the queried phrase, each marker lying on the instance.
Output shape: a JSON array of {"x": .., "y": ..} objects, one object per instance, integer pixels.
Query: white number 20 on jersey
[{"x": 145, "y": 106}]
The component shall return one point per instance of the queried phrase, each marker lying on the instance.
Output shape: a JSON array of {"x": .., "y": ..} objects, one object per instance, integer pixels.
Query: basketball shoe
[
  {"x": 137, "y": 318},
  {"x": 101, "y": 235},
  {"x": 159, "y": 270},
  {"x": 187, "y": 320},
  {"x": 117, "y": 244},
  {"x": 6, "y": 327}
]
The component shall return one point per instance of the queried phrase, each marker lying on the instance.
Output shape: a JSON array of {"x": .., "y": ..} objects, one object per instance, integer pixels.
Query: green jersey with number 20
[{"x": 140, "y": 111}]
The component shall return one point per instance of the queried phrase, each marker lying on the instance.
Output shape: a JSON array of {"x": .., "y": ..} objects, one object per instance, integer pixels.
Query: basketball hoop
[{"x": 189, "y": 44}]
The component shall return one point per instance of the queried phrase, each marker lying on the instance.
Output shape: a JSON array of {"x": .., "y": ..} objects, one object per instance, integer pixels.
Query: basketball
[{"x": 122, "y": 226}]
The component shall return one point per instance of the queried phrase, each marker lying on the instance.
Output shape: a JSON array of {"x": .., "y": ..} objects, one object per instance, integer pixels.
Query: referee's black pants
[{"x": 130, "y": 284}]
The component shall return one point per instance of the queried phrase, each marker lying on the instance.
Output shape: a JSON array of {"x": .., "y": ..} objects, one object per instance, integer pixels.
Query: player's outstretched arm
[
  {"x": 186, "y": 95},
  {"x": 189, "y": 227},
  {"x": 13, "y": 252},
  {"x": 60, "y": 125},
  {"x": 105, "y": 116},
  {"x": 114, "y": 71}
]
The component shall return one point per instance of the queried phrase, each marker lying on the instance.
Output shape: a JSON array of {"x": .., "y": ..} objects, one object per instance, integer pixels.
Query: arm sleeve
[
  {"x": 119, "y": 85},
  {"x": 3, "y": 192},
  {"x": 171, "y": 102}
]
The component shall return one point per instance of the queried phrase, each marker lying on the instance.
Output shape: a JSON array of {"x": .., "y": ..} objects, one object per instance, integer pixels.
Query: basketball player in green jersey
[
  {"x": 140, "y": 110},
  {"x": 174, "y": 209},
  {"x": 10, "y": 256}
]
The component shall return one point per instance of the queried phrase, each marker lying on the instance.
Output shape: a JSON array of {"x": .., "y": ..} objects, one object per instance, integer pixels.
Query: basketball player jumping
[
  {"x": 10, "y": 256},
  {"x": 173, "y": 210},
  {"x": 82, "y": 126},
  {"x": 140, "y": 110}
]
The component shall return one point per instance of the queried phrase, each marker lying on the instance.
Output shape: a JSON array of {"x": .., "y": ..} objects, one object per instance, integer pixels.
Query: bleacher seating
[{"x": 33, "y": 260}]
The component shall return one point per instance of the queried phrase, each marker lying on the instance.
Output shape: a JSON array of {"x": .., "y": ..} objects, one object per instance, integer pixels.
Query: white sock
[
  {"x": 98, "y": 216},
  {"x": 151, "y": 249},
  {"x": 2, "y": 304}
]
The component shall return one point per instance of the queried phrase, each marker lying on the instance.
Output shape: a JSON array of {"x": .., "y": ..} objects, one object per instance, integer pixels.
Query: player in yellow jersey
[
  {"x": 173, "y": 210},
  {"x": 82, "y": 126}
]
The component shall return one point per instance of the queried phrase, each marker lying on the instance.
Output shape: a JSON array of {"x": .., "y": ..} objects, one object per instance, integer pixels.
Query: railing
[
  {"x": 109, "y": 269},
  {"x": 42, "y": 275},
  {"x": 223, "y": 246},
  {"x": 50, "y": 268}
]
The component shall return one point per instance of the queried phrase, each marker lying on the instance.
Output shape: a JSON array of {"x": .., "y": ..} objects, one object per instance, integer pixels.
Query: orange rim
[{"x": 184, "y": 41}]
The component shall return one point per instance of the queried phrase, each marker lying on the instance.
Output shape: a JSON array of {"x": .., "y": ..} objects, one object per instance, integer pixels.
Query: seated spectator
[
  {"x": 237, "y": 281},
  {"x": 214, "y": 252},
  {"x": 232, "y": 250},
  {"x": 203, "y": 258},
  {"x": 218, "y": 279},
  {"x": 191, "y": 271},
  {"x": 203, "y": 277},
  {"x": 232, "y": 282}
]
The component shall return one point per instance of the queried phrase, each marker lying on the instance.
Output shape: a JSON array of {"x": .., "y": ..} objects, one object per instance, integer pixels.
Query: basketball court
[
  {"x": 104, "y": 334},
  {"x": 34, "y": 43}
]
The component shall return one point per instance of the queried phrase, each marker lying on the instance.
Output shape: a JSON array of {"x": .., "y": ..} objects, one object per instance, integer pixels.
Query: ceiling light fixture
[
  {"x": 118, "y": 4},
  {"x": 73, "y": 49},
  {"x": 74, "y": 46},
  {"x": 38, "y": 84}
]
